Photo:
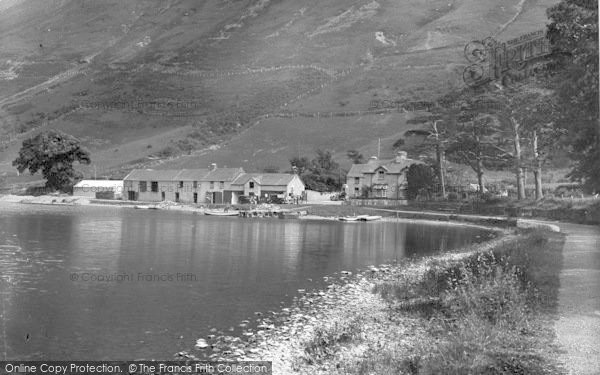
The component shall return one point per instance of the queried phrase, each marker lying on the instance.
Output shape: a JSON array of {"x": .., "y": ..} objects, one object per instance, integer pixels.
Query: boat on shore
[
  {"x": 368, "y": 217},
  {"x": 221, "y": 213},
  {"x": 145, "y": 207},
  {"x": 348, "y": 218}
]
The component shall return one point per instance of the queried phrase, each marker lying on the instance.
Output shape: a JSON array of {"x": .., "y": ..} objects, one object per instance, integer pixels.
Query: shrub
[{"x": 325, "y": 339}]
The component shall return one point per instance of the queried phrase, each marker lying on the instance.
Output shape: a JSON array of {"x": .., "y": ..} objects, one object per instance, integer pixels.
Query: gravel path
[{"x": 578, "y": 326}]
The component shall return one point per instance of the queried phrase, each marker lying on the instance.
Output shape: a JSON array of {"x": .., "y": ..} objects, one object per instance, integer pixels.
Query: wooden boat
[
  {"x": 145, "y": 207},
  {"x": 368, "y": 217},
  {"x": 221, "y": 213}
]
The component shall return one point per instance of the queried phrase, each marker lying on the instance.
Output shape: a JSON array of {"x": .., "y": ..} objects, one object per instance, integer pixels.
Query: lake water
[{"x": 114, "y": 283}]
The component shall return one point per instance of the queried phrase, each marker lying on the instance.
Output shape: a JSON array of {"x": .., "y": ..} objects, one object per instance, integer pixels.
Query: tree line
[{"x": 520, "y": 125}]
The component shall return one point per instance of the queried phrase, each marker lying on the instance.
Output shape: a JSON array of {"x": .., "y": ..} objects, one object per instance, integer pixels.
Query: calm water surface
[{"x": 115, "y": 283}]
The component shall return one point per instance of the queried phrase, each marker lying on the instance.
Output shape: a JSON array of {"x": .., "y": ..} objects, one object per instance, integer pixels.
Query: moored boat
[
  {"x": 368, "y": 217},
  {"x": 348, "y": 218},
  {"x": 145, "y": 207},
  {"x": 221, "y": 213}
]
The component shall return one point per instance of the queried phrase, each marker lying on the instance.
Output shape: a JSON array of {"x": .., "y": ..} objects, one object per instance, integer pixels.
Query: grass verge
[{"x": 489, "y": 312}]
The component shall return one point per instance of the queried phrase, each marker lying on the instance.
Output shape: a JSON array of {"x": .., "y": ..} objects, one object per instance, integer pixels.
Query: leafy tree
[
  {"x": 53, "y": 153},
  {"x": 538, "y": 119},
  {"x": 301, "y": 163},
  {"x": 324, "y": 161},
  {"x": 355, "y": 156},
  {"x": 573, "y": 34},
  {"x": 438, "y": 129},
  {"x": 321, "y": 173},
  {"x": 419, "y": 177},
  {"x": 475, "y": 144}
]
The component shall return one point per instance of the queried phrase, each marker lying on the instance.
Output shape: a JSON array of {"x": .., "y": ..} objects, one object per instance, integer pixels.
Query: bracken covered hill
[{"x": 176, "y": 83}]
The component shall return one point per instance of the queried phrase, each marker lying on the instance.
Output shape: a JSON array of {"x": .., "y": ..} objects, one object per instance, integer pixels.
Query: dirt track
[{"x": 578, "y": 326}]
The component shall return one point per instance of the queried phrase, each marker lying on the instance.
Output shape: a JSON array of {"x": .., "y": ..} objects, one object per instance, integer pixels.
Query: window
[
  {"x": 176, "y": 197},
  {"x": 222, "y": 185},
  {"x": 143, "y": 186},
  {"x": 356, "y": 180},
  {"x": 195, "y": 197},
  {"x": 381, "y": 175},
  {"x": 181, "y": 184},
  {"x": 251, "y": 184},
  {"x": 162, "y": 195},
  {"x": 195, "y": 184},
  {"x": 154, "y": 186},
  {"x": 212, "y": 184}
]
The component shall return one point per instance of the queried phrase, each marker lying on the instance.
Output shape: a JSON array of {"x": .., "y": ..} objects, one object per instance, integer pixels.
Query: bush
[
  {"x": 325, "y": 340},
  {"x": 482, "y": 312}
]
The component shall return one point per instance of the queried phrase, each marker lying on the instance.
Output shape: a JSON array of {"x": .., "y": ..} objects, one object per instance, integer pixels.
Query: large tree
[
  {"x": 525, "y": 112},
  {"x": 477, "y": 142},
  {"x": 573, "y": 33},
  {"x": 322, "y": 173},
  {"x": 53, "y": 153},
  {"x": 420, "y": 178}
]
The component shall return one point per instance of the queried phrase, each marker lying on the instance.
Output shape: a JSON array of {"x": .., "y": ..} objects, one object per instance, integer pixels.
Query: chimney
[
  {"x": 372, "y": 159},
  {"x": 213, "y": 166},
  {"x": 401, "y": 156}
]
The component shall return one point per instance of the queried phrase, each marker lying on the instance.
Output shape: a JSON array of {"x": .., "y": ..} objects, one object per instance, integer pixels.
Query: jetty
[{"x": 277, "y": 212}]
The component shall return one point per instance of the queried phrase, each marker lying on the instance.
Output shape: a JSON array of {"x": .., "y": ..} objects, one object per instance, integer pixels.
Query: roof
[
  {"x": 390, "y": 166},
  {"x": 99, "y": 183},
  {"x": 222, "y": 174},
  {"x": 191, "y": 174},
  {"x": 272, "y": 179},
  {"x": 219, "y": 174},
  {"x": 152, "y": 175}
]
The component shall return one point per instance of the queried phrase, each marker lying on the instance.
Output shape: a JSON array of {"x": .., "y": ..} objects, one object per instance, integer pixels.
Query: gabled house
[
  {"x": 385, "y": 179},
  {"x": 264, "y": 186}
]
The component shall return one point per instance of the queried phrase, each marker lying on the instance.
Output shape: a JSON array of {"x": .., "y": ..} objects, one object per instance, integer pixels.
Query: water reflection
[{"x": 239, "y": 266}]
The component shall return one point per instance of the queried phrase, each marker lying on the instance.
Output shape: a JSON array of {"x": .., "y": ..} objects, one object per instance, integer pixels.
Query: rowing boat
[
  {"x": 368, "y": 217},
  {"x": 221, "y": 213}
]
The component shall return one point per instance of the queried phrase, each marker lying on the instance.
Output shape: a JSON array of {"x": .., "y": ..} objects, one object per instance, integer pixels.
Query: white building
[{"x": 99, "y": 189}]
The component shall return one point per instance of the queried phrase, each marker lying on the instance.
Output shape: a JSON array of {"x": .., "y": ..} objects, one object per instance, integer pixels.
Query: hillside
[{"x": 187, "y": 83}]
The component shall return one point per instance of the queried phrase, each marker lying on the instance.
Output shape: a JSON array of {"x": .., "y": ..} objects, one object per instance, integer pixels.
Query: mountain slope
[{"x": 144, "y": 79}]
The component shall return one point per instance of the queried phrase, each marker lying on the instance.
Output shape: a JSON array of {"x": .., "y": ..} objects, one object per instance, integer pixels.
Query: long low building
[
  {"x": 214, "y": 185},
  {"x": 99, "y": 189}
]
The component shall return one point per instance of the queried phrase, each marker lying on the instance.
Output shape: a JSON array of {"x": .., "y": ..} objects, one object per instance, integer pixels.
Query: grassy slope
[{"x": 425, "y": 61}]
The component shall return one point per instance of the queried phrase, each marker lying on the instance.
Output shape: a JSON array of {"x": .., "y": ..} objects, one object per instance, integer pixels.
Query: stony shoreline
[{"x": 282, "y": 336}]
